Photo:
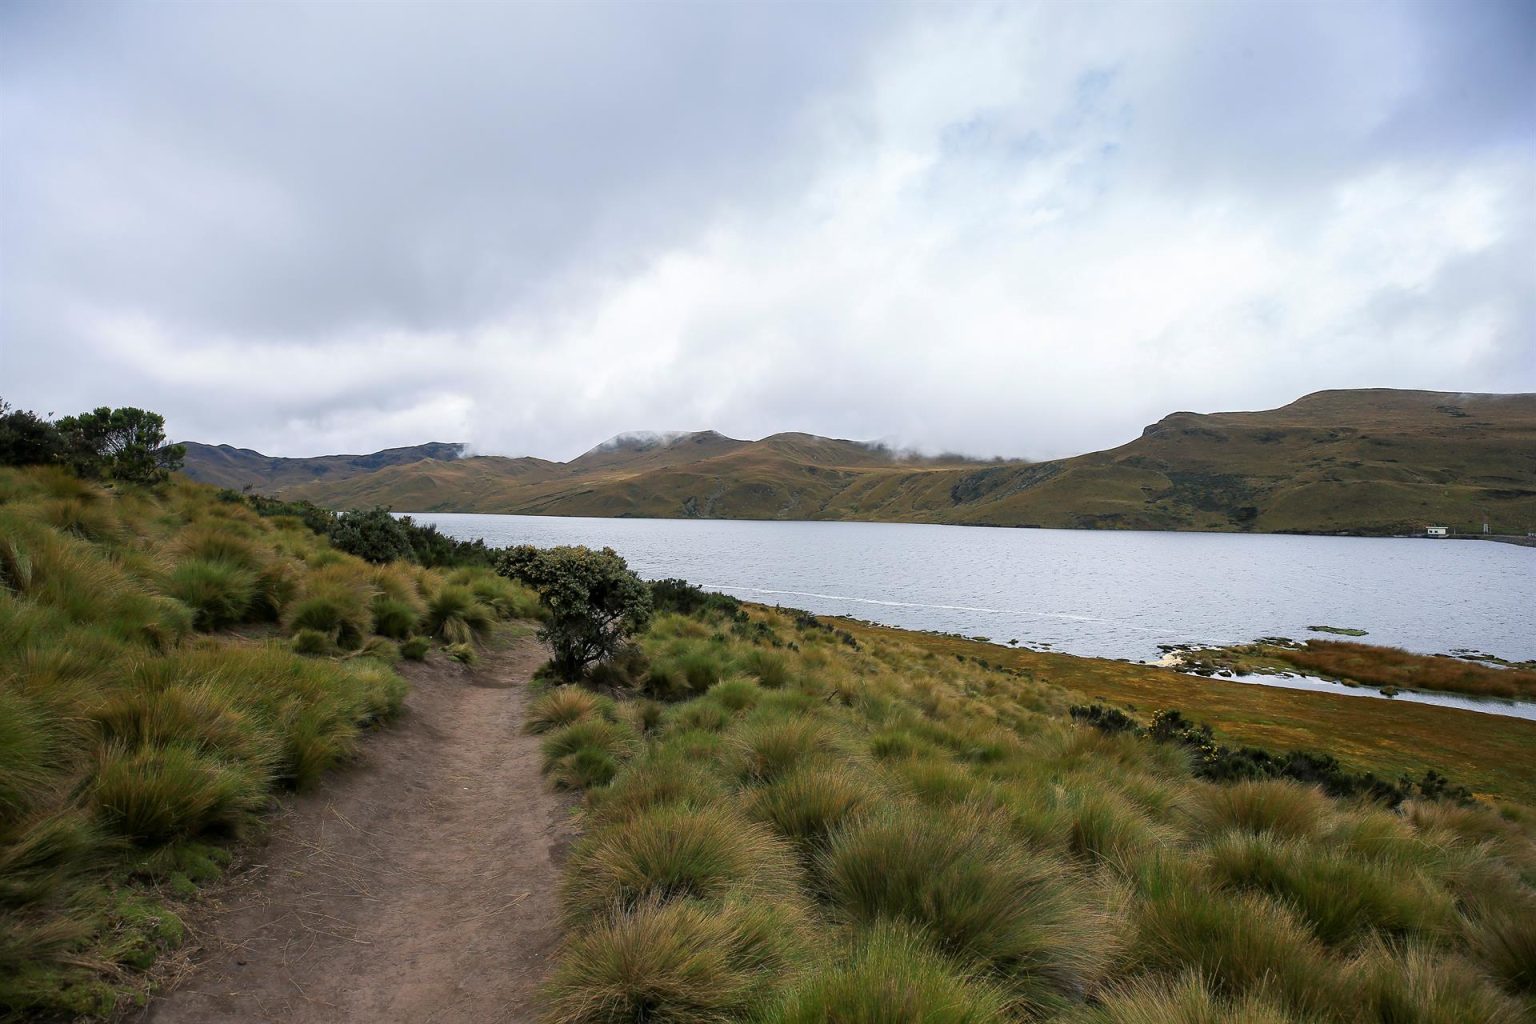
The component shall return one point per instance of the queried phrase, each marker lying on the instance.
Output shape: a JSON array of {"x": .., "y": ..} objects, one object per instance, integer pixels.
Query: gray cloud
[{"x": 1025, "y": 229}]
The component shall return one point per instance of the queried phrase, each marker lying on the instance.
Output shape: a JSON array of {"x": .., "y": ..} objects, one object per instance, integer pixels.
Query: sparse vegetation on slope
[{"x": 874, "y": 830}]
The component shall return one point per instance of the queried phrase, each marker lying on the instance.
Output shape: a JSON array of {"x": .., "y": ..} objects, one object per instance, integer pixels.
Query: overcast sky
[{"x": 1023, "y": 229}]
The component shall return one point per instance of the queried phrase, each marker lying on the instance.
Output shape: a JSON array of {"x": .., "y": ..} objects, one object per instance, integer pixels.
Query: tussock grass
[
  {"x": 766, "y": 750},
  {"x": 978, "y": 898},
  {"x": 678, "y": 962},
  {"x": 560, "y": 707},
  {"x": 1185, "y": 1000},
  {"x": 891, "y": 977},
  {"x": 219, "y": 593},
  {"x": 1281, "y": 808},
  {"x": 152, "y": 794},
  {"x": 671, "y": 852},
  {"x": 125, "y": 739},
  {"x": 809, "y": 804},
  {"x": 587, "y": 753},
  {"x": 1337, "y": 894},
  {"x": 455, "y": 616},
  {"x": 1243, "y": 944},
  {"x": 1415, "y": 984}
]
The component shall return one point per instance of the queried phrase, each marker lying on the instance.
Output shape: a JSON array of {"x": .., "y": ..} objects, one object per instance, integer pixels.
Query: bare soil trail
[{"x": 417, "y": 886}]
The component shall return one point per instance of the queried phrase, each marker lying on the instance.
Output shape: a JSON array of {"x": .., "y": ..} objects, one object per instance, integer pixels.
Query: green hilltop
[{"x": 1374, "y": 461}]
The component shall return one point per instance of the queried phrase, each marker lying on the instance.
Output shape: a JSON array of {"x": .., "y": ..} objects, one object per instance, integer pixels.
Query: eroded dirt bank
[{"x": 418, "y": 886}]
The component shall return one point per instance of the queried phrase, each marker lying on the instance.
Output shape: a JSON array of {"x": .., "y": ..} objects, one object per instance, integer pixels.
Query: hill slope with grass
[
  {"x": 1370, "y": 461},
  {"x": 794, "y": 820},
  {"x": 169, "y": 661}
]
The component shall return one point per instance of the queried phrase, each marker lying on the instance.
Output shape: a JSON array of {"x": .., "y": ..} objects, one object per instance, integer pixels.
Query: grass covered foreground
[
  {"x": 168, "y": 661},
  {"x": 787, "y": 821}
]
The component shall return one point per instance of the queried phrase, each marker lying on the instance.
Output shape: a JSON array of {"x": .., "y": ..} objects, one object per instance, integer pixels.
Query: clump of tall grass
[
  {"x": 154, "y": 793},
  {"x": 809, "y": 804},
  {"x": 892, "y": 976},
  {"x": 672, "y": 852},
  {"x": 562, "y": 706},
  {"x": 504, "y": 597},
  {"x": 336, "y": 600},
  {"x": 677, "y": 962},
  {"x": 978, "y": 897},
  {"x": 587, "y": 753},
  {"x": 1183, "y": 1000},
  {"x": 1416, "y": 984},
  {"x": 1337, "y": 894},
  {"x": 660, "y": 778},
  {"x": 1243, "y": 944},
  {"x": 766, "y": 750},
  {"x": 456, "y": 617},
  {"x": 1285, "y": 809},
  {"x": 219, "y": 593}
]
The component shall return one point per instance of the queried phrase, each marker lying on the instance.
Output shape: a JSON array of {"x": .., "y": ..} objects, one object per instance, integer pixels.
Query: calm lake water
[{"x": 1101, "y": 593}]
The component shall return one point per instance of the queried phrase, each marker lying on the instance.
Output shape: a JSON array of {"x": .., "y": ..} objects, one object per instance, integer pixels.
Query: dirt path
[{"x": 418, "y": 886}]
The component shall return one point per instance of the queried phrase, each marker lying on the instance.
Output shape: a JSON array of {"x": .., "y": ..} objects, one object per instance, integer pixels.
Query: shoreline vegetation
[
  {"x": 780, "y": 812},
  {"x": 1389, "y": 669}
]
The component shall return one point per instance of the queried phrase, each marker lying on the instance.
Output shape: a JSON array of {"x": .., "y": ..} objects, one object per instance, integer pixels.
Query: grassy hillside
[
  {"x": 1375, "y": 461},
  {"x": 794, "y": 821},
  {"x": 153, "y": 698}
]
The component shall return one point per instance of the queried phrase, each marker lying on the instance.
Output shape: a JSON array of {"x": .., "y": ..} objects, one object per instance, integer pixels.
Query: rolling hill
[{"x": 1365, "y": 461}]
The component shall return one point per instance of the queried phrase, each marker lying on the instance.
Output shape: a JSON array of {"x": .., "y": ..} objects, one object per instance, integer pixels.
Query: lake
[{"x": 1107, "y": 594}]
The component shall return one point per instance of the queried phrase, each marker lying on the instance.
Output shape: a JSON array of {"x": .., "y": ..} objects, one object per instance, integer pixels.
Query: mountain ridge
[{"x": 1358, "y": 461}]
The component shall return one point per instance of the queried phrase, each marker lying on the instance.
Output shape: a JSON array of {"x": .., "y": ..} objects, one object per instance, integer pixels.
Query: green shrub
[
  {"x": 671, "y": 852},
  {"x": 892, "y": 977},
  {"x": 415, "y": 649},
  {"x": 681, "y": 962},
  {"x": 593, "y": 603},
  {"x": 372, "y": 535},
  {"x": 219, "y": 593}
]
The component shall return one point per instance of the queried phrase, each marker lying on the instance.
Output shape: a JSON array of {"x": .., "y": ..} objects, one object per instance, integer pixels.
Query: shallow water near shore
[{"x": 1106, "y": 594}]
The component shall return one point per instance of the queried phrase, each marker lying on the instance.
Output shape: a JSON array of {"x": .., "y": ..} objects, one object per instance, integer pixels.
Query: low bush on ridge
[{"x": 946, "y": 842}]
